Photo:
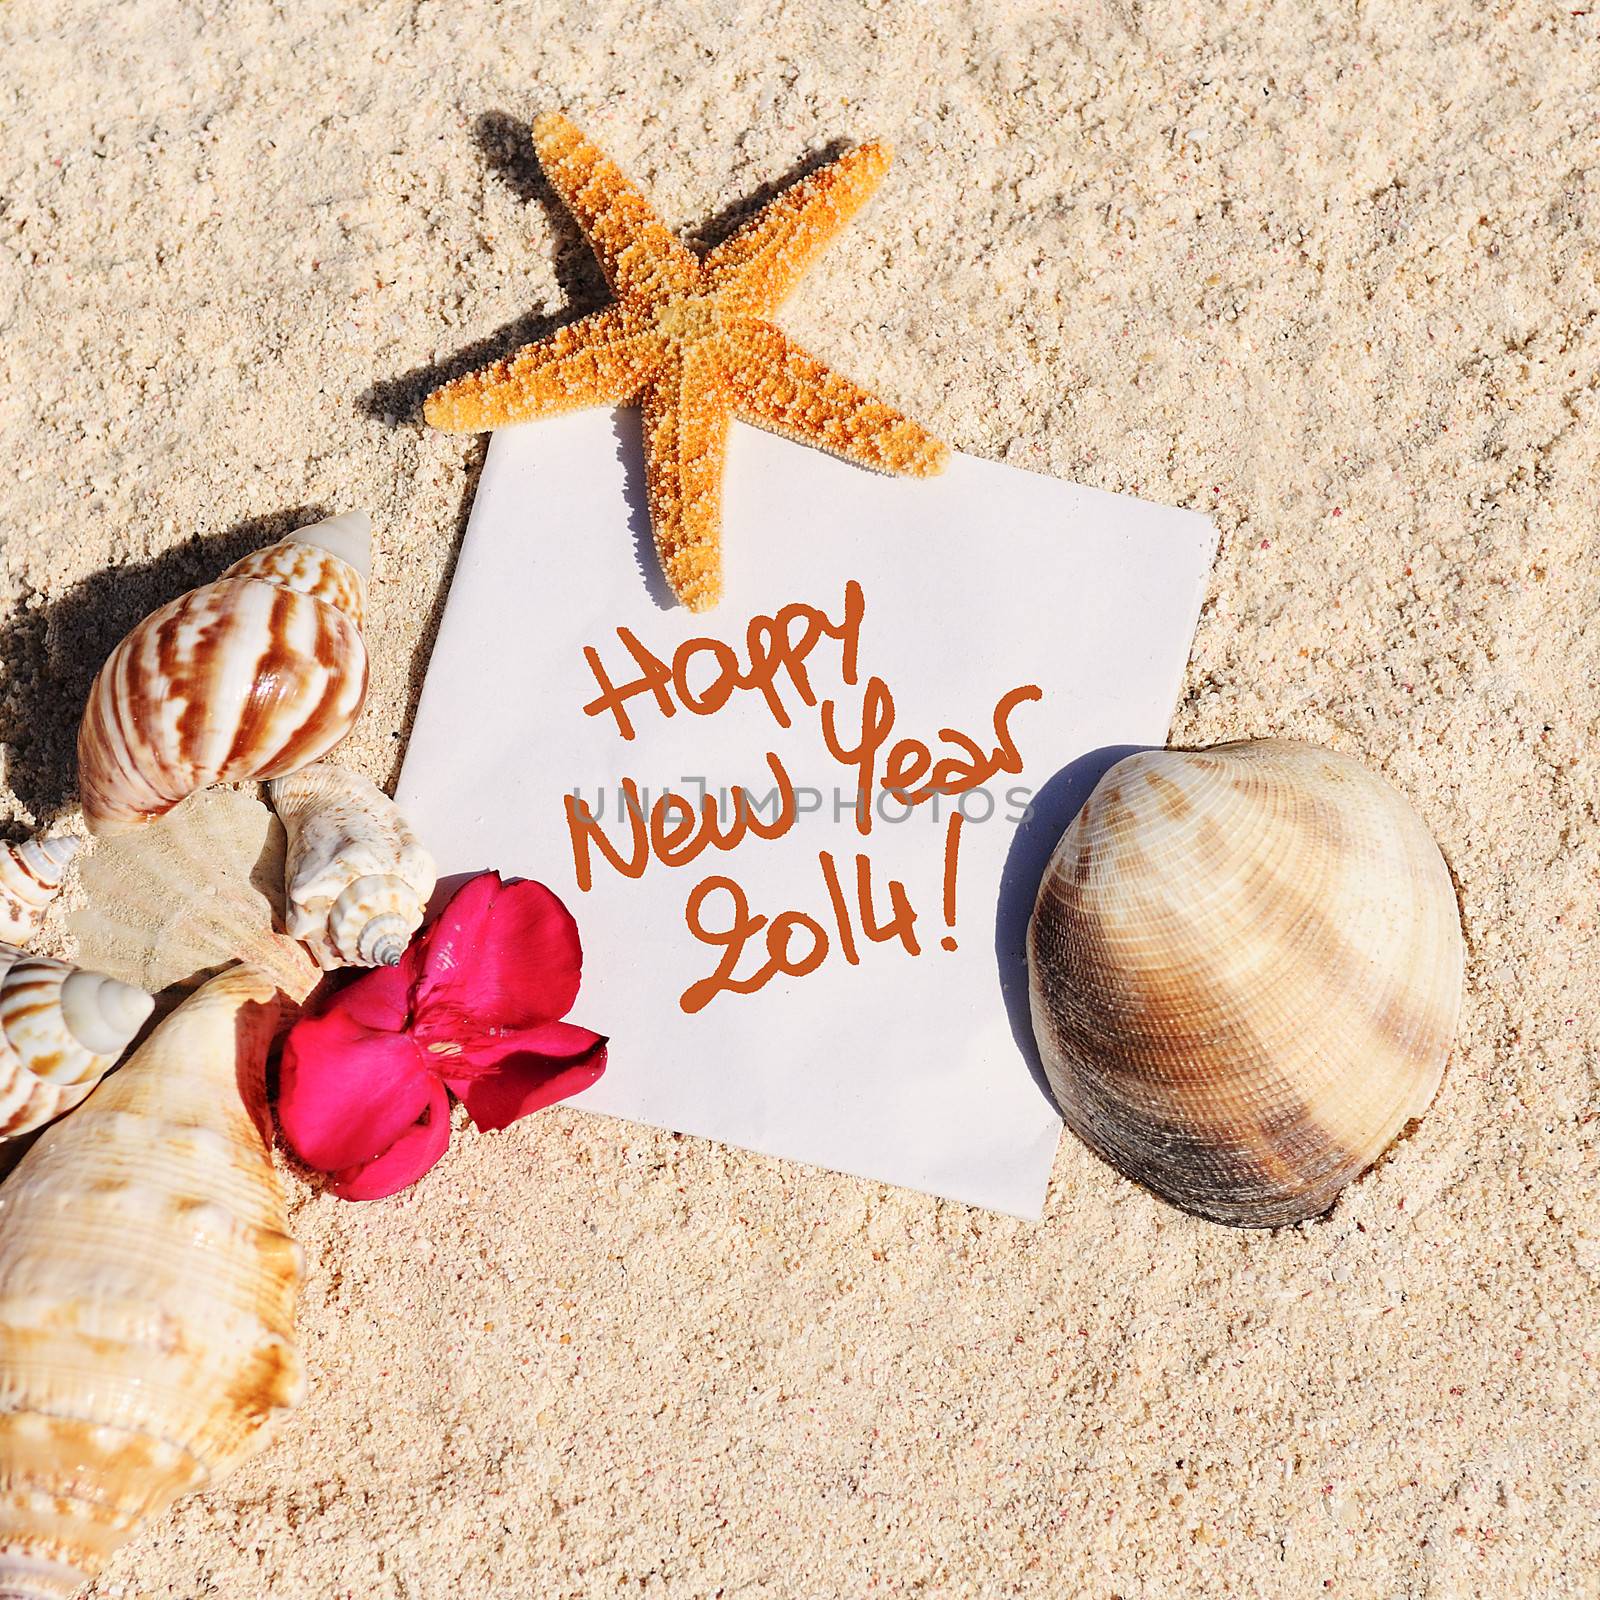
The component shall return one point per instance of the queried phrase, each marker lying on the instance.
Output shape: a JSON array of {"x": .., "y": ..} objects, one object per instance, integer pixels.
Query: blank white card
[{"x": 758, "y": 982}]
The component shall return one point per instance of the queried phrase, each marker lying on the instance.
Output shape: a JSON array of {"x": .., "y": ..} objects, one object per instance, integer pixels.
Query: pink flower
[{"x": 474, "y": 1007}]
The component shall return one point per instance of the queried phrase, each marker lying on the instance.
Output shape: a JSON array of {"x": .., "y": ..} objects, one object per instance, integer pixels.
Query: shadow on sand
[
  {"x": 49, "y": 653},
  {"x": 507, "y": 146},
  {"x": 1052, "y": 808}
]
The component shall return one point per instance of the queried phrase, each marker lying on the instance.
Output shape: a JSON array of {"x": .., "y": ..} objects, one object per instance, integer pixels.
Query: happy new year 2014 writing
[{"x": 674, "y": 830}]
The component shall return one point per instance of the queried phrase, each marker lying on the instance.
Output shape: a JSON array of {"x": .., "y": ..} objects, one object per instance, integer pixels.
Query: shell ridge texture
[
  {"x": 147, "y": 1293},
  {"x": 252, "y": 675},
  {"x": 358, "y": 878},
  {"x": 1244, "y": 972}
]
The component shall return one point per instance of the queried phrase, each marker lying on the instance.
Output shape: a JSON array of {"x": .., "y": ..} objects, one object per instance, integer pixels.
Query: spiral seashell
[
  {"x": 61, "y": 1029},
  {"x": 147, "y": 1294},
  {"x": 1244, "y": 971},
  {"x": 251, "y": 676},
  {"x": 30, "y": 875},
  {"x": 358, "y": 878}
]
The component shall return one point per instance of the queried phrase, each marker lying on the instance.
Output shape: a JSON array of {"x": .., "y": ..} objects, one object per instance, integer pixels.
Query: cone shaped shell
[
  {"x": 252, "y": 676},
  {"x": 1244, "y": 973},
  {"x": 147, "y": 1293}
]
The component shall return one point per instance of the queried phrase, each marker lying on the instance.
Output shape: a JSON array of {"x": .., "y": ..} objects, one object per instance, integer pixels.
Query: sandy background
[{"x": 1327, "y": 274}]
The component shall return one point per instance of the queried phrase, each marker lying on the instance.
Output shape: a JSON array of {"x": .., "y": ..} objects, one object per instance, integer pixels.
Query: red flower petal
[
  {"x": 563, "y": 1062},
  {"x": 379, "y": 1000},
  {"x": 414, "y": 1153},
  {"x": 483, "y": 1049},
  {"x": 346, "y": 1093},
  {"x": 501, "y": 955}
]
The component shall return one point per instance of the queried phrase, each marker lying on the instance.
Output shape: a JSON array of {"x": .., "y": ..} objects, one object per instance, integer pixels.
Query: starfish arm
[
  {"x": 686, "y": 422},
  {"x": 778, "y": 385},
  {"x": 636, "y": 252},
  {"x": 756, "y": 267},
  {"x": 593, "y": 362}
]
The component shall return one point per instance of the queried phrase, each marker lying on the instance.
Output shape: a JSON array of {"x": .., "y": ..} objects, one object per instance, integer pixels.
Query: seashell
[
  {"x": 1244, "y": 969},
  {"x": 358, "y": 878},
  {"x": 147, "y": 1294},
  {"x": 251, "y": 676},
  {"x": 61, "y": 1028},
  {"x": 178, "y": 901},
  {"x": 30, "y": 875}
]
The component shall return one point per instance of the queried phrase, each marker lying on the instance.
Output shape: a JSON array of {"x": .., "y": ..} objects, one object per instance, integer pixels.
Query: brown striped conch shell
[
  {"x": 147, "y": 1294},
  {"x": 30, "y": 875},
  {"x": 251, "y": 676},
  {"x": 61, "y": 1029},
  {"x": 1244, "y": 969},
  {"x": 174, "y": 903},
  {"x": 358, "y": 879}
]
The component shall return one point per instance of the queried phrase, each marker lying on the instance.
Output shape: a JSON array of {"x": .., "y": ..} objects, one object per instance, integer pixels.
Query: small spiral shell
[
  {"x": 358, "y": 878},
  {"x": 61, "y": 1029},
  {"x": 30, "y": 875},
  {"x": 254, "y": 675},
  {"x": 147, "y": 1294}
]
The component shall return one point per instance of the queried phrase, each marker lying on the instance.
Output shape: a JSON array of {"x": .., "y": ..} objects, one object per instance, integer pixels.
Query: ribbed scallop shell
[
  {"x": 30, "y": 875},
  {"x": 358, "y": 878},
  {"x": 177, "y": 901},
  {"x": 147, "y": 1294},
  {"x": 61, "y": 1030},
  {"x": 1244, "y": 969},
  {"x": 251, "y": 676}
]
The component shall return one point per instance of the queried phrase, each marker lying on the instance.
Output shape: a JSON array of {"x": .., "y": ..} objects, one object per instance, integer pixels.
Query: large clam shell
[{"x": 1244, "y": 971}]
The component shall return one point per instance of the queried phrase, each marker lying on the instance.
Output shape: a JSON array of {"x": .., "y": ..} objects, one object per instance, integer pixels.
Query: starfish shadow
[
  {"x": 726, "y": 222},
  {"x": 507, "y": 146},
  {"x": 508, "y": 150},
  {"x": 50, "y": 652},
  {"x": 626, "y": 429},
  {"x": 1046, "y": 819},
  {"x": 422, "y": 650}
]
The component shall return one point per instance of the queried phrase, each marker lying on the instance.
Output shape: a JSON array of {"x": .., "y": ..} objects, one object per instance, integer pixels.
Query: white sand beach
[{"x": 1327, "y": 273}]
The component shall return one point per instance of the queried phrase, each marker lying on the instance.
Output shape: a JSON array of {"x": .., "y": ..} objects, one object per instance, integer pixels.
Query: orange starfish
[{"x": 690, "y": 340}]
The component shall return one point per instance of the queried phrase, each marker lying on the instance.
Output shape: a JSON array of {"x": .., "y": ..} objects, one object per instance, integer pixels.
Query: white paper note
[{"x": 913, "y": 1069}]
